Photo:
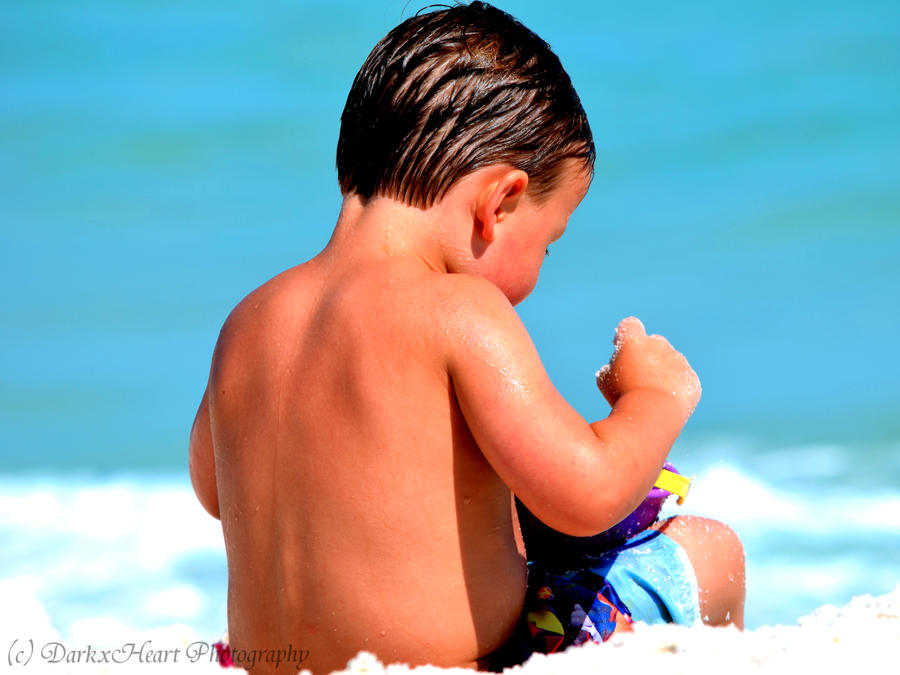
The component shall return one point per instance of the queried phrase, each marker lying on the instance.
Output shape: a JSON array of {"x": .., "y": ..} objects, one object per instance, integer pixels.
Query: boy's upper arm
[
  {"x": 536, "y": 442},
  {"x": 201, "y": 459}
]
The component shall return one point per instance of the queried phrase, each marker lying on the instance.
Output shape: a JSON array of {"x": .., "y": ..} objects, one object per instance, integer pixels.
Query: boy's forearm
[{"x": 637, "y": 435}]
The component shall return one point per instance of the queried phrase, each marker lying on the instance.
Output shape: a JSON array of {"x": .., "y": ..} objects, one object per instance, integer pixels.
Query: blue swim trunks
[
  {"x": 653, "y": 577},
  {"x": 647, "y": 578}
]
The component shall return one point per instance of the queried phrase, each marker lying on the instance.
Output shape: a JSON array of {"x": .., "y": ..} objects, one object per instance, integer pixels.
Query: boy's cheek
[
  {"x": 520, "y": 287},
  {"x": 514, "y": 271},
  {"x": 526, "y": 291}
]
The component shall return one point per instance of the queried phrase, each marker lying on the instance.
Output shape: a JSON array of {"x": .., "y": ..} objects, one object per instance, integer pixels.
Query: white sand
[{"x": 863, "y": 636}]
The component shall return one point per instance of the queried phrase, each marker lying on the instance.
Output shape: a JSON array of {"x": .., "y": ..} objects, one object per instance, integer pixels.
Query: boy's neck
[{"x": 383, "y": 227}]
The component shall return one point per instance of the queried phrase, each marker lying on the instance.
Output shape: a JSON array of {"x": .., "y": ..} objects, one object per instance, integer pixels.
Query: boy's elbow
[
  {"x": 586, "y": 514},
  {"x": 592, "y": 523},
  {"x": 609, "y": 481},
  {"x": 581, "y": 529}
]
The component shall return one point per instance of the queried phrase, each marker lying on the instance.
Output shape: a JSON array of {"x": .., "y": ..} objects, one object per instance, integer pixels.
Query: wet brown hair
[{"x": 451, "y": 91}]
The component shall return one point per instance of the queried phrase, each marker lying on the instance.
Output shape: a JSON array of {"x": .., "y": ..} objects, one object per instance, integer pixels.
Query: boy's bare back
[{"x": 355, "y": 513}]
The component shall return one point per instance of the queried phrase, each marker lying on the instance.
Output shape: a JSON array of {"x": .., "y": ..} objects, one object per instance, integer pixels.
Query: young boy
[{"x": 370, "y": 413}]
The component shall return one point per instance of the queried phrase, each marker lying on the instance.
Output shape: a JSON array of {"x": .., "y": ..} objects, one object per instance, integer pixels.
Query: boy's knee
[
  {"x": 705, "y": 538},
  {"x": 719, "y": 539},
  {"x": 717, "y": 555}
]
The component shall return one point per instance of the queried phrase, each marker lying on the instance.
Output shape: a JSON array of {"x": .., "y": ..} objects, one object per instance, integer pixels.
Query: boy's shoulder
[{"x": 478, "y": 326}]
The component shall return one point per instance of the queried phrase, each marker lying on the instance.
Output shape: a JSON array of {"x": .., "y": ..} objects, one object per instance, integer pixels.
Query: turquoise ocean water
[{"x": 160, "y": 160}]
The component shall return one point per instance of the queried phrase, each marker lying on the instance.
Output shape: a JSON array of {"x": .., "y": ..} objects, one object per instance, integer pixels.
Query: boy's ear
[{"x": 498, "y": 198}]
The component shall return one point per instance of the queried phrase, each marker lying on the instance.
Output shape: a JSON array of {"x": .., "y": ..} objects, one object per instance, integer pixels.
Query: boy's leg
[{"x": 717, "y": 556}]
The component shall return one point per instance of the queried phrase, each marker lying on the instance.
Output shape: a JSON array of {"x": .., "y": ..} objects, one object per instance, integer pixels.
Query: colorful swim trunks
[{"x": 648, "y": 578}]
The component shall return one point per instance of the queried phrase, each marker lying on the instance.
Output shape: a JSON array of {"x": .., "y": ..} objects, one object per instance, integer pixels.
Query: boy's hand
[{"x": 648, "y": 362}]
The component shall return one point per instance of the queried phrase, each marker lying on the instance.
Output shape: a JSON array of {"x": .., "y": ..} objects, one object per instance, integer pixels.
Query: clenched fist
[{"x": 648, "y": 362}]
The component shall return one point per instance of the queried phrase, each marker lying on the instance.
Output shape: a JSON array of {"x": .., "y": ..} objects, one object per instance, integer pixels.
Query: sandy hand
[{"x": 642, "y": 361}]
